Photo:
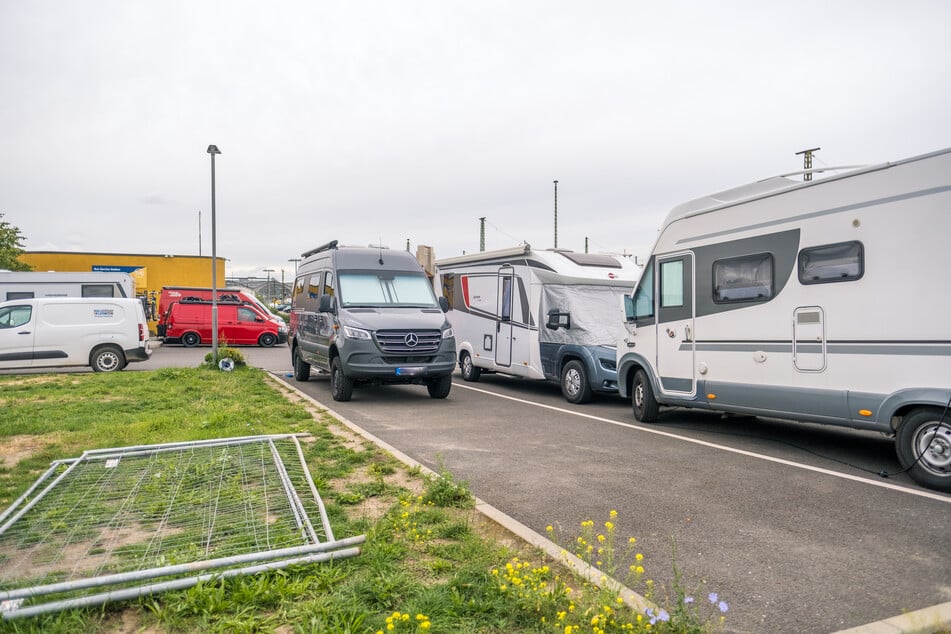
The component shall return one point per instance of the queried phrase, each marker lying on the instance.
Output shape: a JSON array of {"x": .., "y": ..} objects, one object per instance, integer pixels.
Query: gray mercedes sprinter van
[{"x": 369, "y": 316}]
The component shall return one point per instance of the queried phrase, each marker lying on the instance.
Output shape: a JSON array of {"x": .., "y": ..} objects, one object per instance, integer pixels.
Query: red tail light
[{"x": 141, "y": 332}]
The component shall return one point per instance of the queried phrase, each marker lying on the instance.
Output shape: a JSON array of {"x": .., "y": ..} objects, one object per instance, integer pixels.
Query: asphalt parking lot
[{"x": 779, "y": 518}]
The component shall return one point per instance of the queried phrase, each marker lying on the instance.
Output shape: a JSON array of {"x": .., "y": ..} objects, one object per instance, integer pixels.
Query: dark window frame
[
  {"x": 738, "y": 260},
  {"x": 812, "y": 251}
]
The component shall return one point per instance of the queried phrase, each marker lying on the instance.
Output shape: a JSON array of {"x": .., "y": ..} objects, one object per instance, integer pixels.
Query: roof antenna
[{"x": 379, "y": 245}]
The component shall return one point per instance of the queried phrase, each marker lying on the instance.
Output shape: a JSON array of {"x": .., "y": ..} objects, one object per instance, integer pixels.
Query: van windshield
[{"x": 408, "y": 289}]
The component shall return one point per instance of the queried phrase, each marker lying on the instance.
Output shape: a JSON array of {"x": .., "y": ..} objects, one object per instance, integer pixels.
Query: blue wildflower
[
  {"x": 723, "y": 606},
  {"x": 713, "y": 597},
  {"x": 688, "y": 600},
  {"x": 663, "y": 616}
]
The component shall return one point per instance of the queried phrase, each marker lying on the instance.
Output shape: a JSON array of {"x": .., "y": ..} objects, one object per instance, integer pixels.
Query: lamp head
[{"x": 213, "y": 149}]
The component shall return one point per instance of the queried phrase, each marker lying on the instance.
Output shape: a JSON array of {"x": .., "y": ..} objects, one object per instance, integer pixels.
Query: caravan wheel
[
  {"x": 574, "y": 383},
  {"x": 923, "y": 445},
  {"x": 642, "y": 398},
  {"x": 469, "y": 371}
]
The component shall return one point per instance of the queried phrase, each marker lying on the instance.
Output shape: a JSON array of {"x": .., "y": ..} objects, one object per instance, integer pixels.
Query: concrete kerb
[
  {"x": 928, "y": 620},
  {"x": 553, "y": 550}
]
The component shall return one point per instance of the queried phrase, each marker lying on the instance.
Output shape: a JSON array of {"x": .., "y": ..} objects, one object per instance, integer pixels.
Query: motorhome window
[
  {"x": 505, "y": 309},
  {"x": 840, "y": 262},
  {"x": 644, "y": 295},
  {"x": 97, "y": 290},
  {"x": 672, "y": 284},
  {"x": 395, "y": 288},
  {"x": 15, "y": 316},
  {"x": 743, "y": 279},
  {"x": 329, "y": 284},
  {"x": 19, "y": 295},
  {"x": 448, "y": 281},
  {"x": 298, "y": 286},
  {"x": 592, "y": 259}
]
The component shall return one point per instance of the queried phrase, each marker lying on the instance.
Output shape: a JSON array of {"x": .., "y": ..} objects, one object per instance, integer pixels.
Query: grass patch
[{"x": 430, "y": 563}]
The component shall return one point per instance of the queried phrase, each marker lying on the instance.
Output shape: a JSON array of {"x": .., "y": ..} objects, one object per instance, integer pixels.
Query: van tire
[
  {"x": 191, "y": 339},
  {"x": 107, "y": 359},
  {"x": 267, "y": 340},
  {"x": 468, "y": 369},
  {"x": 301, "y": 367},
  {"x": 341, "y": 386},
  {"x": 440, "y": 387},
  {"x": 574, "y": 383},
  {"x": 924, "y": 433},
  {"x": 642, "y": 398}
]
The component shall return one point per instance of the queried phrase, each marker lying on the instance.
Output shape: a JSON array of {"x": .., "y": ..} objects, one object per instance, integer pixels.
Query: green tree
[{"x": 11, "y": 246}]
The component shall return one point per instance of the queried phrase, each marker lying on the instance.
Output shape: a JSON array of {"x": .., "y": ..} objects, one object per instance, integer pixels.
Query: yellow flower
[
  {"x": 613, "y": 514},
  {"x": 631, "y": 540},
  {"x": 549, "y": 528},
  {"x": 609, "y": 525},
  {"x": 639, "y": 557},
  {"x": 425, "y": 625}
]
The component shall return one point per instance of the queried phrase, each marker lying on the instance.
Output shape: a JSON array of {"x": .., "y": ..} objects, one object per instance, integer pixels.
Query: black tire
[
  {"x": 267, "y": 340},
  {"x": 642, "y": 398},
  {"x": 190, "y": 339},
  {"x": 439, "y": 388},
  {"x": 923, "y": 445},
  {"x": 301, "y": 367},
  {"x": 107, "y": 359},
  {"x": 469, "y": 371},
  {"x": 574, "y": 382},
  {"x": 341, "y": 386}
]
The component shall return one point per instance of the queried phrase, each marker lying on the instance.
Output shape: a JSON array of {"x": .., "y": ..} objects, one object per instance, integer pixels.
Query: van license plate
[{"x": 408, "y": 371}]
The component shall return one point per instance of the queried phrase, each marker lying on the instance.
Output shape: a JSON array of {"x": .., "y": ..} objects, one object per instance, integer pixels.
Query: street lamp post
[
  {"x": 268, "y": 286},
  {"x": 295, "y": 261},
  {"x": 213, "y": 149}
]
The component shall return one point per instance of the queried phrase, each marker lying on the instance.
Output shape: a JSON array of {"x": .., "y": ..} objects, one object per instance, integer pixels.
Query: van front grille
[{"x": 409, "y": 342}]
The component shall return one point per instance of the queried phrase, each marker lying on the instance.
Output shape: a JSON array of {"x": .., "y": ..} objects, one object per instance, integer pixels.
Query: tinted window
[
  {"x": 672, "y": 284},
  {"x": 644, "y": 295},
  {"x": 743, "y": 279},
  {"x": 19, "y": 295},
  {"x": 840, "y": 262},
  {"x": 97, "y": 290}
]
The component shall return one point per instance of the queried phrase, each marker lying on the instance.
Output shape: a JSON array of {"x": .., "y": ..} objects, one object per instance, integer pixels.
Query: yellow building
[{"x": 150, "y": 272}]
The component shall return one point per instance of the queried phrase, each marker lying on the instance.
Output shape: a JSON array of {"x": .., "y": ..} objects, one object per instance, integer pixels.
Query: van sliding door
[{"x": 675, "y": 325}]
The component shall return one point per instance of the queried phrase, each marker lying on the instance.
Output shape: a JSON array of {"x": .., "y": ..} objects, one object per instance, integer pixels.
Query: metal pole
[
  {"x": 807, "y": 162},
  {"x": 481, "y": 234},
  {"x": 213, "y": 149},
  {"x": 556, "y": 214},
  {"x": 199, "y": 233},
  {"x": 295, "y": 261},
  {"x": 267, "y": 287}
]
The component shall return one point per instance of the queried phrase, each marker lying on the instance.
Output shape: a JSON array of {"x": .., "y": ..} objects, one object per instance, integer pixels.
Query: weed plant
[{"x": 430, "y": 562}]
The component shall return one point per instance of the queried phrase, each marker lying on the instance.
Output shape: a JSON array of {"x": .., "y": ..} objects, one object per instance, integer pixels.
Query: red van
[
  {"x": 189, "y": 323},
  {"x": 172, "y": 294}
]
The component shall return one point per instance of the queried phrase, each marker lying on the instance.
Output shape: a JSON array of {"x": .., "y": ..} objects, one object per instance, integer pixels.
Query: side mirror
[
  {"x": 557, "y": 319},
  {"x": 326, "y": 304},
  {"x": 443, "y": 303}
]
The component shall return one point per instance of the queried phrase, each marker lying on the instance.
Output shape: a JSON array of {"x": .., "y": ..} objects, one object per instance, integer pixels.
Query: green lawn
[{"x": 430, "y": 562}]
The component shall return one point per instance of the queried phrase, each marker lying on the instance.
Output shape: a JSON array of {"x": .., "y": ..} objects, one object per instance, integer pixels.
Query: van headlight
[
  {"x": 356, "y": 333},
  {"x": 447, "y": 333}
]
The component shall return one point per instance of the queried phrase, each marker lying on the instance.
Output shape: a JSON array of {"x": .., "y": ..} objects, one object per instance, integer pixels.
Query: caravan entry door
[
  {"x": 503, "y": 317},
  {"x": 675, "y": 324}
]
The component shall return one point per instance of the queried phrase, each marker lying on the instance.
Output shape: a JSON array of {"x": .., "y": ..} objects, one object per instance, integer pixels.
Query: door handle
[{"x": 25, "y": 332}]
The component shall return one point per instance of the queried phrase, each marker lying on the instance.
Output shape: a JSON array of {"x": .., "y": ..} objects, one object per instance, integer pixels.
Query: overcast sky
[{"x": 391, "y": 121}]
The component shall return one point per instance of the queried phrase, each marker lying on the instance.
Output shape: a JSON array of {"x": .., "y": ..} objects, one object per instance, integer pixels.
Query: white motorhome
[
  {"x": 824, "y": 301},
  {"x": 30, "y": 284},
  {"x": 538, "y": 314},
  {"x": 103, "y": 333}
]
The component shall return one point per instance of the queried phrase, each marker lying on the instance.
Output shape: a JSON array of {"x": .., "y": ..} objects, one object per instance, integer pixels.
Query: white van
[{"x": 104, "y": 334}]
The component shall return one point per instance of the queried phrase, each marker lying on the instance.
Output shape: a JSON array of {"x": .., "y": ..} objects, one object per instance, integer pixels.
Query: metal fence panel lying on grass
[{"x": 146, "y": 519}]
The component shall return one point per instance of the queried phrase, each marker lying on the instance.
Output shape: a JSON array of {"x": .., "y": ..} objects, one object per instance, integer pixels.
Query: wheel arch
[
  {"x": 108, "y": 345},
  {"x": 902, "y": 402},
  {"x": 628, "y": 365}
]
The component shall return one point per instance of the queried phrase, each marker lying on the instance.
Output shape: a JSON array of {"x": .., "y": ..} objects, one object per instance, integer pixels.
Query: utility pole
[
  {"x": 283, "y": 290},
  {"x": 199, "y": 233},
  {"x": 807, "y": 162},
  {"x": 481, "y": 234},
  {"x": 556, "y": 214},
  {"x": 586, "y": 244},
  {"x": 295, "y": 261},
  {"x": 268, "y": 286}
]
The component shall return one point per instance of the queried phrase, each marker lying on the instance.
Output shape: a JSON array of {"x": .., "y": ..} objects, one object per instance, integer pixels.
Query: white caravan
[
  {"x": 538, "y": 315},
  {"x": 825, "y": 301},
  {"x": 30, "y": 284}
]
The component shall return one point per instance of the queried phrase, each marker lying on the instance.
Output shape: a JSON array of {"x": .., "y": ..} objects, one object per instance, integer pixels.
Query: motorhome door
[
  {"x": 675, "y": 324},
  {"x": 503, "y": 317}
]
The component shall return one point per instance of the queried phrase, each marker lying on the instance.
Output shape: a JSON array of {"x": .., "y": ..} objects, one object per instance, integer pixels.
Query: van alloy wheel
[
  {"x": 642, "y": 398},
  {"x": 108, "y": 359},
  {"x": 469, "y": 371},
  {"x": 923, "y": 445},
  {"x": 574, "y": 383}
]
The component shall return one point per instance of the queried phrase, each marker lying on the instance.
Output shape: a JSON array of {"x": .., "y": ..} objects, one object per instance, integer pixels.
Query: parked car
[
  {"x": 189, "y": 323},
  {"x": 103, "y": 333}
]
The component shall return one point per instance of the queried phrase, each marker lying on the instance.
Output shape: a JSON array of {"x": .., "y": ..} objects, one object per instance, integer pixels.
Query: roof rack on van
[{"x": 324, "y": 247}]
